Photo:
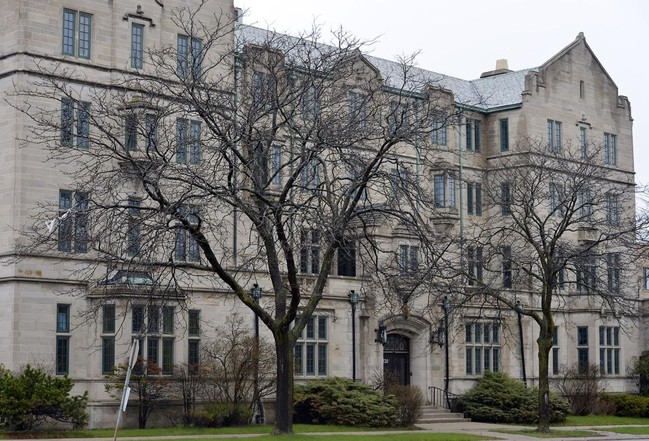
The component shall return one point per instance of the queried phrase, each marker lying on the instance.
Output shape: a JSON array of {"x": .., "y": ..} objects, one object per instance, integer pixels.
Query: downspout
[{"x": 235, "y": 213}]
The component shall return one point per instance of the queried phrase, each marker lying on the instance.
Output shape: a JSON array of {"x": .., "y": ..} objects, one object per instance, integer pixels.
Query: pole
[
  {"x": 353, "y": 341},
  {"x": 446, "y": 358},
  {"x": 522, "y": 344},
  {"x": 256, "y": 294}
]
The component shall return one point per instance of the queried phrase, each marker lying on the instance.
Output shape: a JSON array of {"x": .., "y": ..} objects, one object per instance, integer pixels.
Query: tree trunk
[
  {"x": 545, "y": 344},
  {"x": 284, "y": 394}
]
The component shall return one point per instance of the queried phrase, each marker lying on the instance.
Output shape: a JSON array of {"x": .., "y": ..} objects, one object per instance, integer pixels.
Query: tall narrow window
[
  {"x": 645, "y": 274},
  {"x": 75, "y": 123},
  {"x": 505, "y": 199},
  {"x": 554, "y": 136},
  {"x": 108, "y": 340},
  {"x": 408, "y": 259},
  {"x": 582, "y": 89},
  {"x": 475, "y": 264},
  {"x": 610, "y": 149},
  {"x": 187, "y": 249},
  {"x": 195, "y": 142},
  {"x": 62, "y": 359},
  {"x": 557, "y": 206},
  {"x": 310, "y": 251},
  {"x": 583, "y": 142},
  {"x": 77, "y": 33},
  {"x": 276, "y": 165},
  {"x": 613, "y": 272},
  {"x": 347, "y": 258},
  {"x": 73, "y": 224},
  {"x": 504, "y": 135},
  {"x": 194, "y": 335},
  {"x": 130, "y": 132},
  {"x": 439, "y": 186},
  {"x": 583, "y": 361},
  {"x": 586, "y": 273},
  {"x": 584, "y": 205},
  {"x": 188, "y": 141},
  {"x": 357, "y": 110},
  {"x": 189, "y": 57},
  {"x": 151, "y": 132},
  {"x": 137, "y": 46},
  {"x": 473, "y": 135},
  {"x": 507, "y": 266},
  {"x": 609, "y": 350},
  {"x": 451, "y": 191},
  {"x": 555, "y": 351},
  {"x": 612, "y": 209},
  {"x": 439, "y": 130}
]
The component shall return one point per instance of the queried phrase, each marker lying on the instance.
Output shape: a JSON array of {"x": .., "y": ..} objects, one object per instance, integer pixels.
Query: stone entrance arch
[{"x": 406, "y": 353}]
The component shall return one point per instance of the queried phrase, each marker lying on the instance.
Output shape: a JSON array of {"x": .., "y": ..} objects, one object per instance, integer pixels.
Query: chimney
[
  {"x": 501, "y": 68},
  {"x": 238, "y": 13}
]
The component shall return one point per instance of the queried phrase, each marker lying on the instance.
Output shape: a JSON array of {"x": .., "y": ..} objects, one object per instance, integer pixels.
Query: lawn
[
  {"x": 636, "y": 430},
  {"x": 398, "y": 436},
  {"x": 603, "y": 420},
  {"x": 553, "y": 433}
]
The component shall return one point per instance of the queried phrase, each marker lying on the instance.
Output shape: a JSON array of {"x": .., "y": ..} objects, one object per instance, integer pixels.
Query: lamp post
[
  {"x": 255, "y": 292},
  {"x": 447, "y": 307},
  {"x": 354, "y": 298},
  {"x": 519, "y": 311}
]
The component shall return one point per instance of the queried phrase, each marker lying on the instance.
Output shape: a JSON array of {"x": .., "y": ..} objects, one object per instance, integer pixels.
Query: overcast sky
[{"x": 464, "y": 38}]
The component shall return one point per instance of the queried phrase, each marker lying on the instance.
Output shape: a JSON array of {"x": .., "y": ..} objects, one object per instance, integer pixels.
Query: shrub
[
  {"x": 582, "y": 388},
  {"x": 628, "y": 405},
  {"x": 343, "y": 402},
  {"x": 639, "y": 372},
  {"x": 222, "y": 414},
  {"x": 497, "y": 398},
  {"x": 32, "y": 397},
  {"x": 410, "y": 402}
]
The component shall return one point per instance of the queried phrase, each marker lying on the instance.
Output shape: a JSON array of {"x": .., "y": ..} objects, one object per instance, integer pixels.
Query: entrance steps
[{"x": 433, "y": 414}]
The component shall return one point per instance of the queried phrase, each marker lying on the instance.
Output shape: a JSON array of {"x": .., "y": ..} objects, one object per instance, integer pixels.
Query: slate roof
[{"x": 482, "y": 94}]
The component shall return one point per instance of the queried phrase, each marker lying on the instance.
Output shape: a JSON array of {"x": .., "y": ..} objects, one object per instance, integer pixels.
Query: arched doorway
[{"x": 396, "y": 358}]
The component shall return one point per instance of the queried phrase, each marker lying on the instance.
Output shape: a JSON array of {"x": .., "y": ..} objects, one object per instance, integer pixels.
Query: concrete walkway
[{"x": 484, "y": 429}]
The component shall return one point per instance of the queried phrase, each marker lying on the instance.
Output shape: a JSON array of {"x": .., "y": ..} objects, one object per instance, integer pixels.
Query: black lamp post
[
  {"x": 354, "y": 298},
  {"x": 255, "y": 292},
  {"x": 447, "y": 307},
  {"x": 519, "y": 311}
]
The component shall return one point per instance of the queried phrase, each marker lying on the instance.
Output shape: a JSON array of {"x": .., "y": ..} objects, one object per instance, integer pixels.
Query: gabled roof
[{"x": 489, "y": 94}]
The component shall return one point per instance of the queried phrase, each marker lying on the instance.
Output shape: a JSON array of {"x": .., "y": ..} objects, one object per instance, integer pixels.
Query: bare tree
[
  {"x": 559, "y": 234},
  {"x": 252, "y": 157}
]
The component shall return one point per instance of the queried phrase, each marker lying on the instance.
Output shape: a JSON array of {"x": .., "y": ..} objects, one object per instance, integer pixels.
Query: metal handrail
[{"x": 440, "y": 397}]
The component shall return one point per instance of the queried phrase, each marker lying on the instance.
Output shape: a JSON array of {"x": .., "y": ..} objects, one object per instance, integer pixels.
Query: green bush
[
  {"x": 222, "y": 415},
  {"x": 628, "y": 405},
  {"x": 497, "y": 398},
  {"x": 32, "y": 397},
  {"x": 342, "y": 401}
]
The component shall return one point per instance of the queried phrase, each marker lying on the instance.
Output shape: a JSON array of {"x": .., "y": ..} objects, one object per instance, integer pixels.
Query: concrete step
[{"x": 432, "y": 415}]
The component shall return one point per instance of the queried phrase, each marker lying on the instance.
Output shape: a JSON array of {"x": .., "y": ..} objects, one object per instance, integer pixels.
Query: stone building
[{"x": 61, "y": 310}]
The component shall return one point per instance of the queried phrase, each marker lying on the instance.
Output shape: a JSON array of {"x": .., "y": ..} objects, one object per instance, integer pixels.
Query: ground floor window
[
  {"x": 482, "y": 345},
  {"x": 609, "y": 350},
  {"x": 311, "y": 349}
]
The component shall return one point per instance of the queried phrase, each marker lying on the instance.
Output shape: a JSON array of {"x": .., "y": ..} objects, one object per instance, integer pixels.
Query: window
[
  {"x": 473, "y": 135},
  {"x": 613, "y": 272},
  {"x": 108, "y": 340},
  {"x": 151, "y": 132},
  {"x": 137, "y": 45},
  {"x": 159, "y": 350},
  {"x": 475, "y": 264},
  {"x": 194, "y": 338},
  {"x": 189, "y": 54},
  {"x": 75, "y": 135},
  {"x": 582, "y": 89},
  {"x": 505, "y": 199},
  {"x": 276, "y": 165},
  {"x": 130, "y": 132},
  {"x": 474, "y": 198},
  {"x": 507, "y": 266},
  {"x": 482, "y": 347},
  {"x": 586, "y": 273},
  {"x": 554, "y": 136},
  {"x": 62, "y": 359},
  {"x": 439, "y": 133},
  {"x": 398, "y": 118},
  {"x": 584, "y": 205},
  {"x": 310, "y": 104},
  {"x": 310, "y": 351},
  {"x": 504, "y": 135},
  {"x": 610, "y": 149},
  {"x": 186, "y": 248},
  {"x": 77, "y": 32},
  {"x": 408, "y": 259},
  {"x": 133, "y": 241},
  {"x": 439, "y": 186},
  {"x": 612, "y": 209},
  {"x": 310, "y": 251},
  {"x": 263, "y": 91},
  {"x": 583, "y": 143},
  {"x": 347, "y": 258},
  {"x": 557, "y": 207},
  {"x": 645, "y": 272},
  {"x": 451, "y": 191},
  {"x": 357, "y": 110},
  {"x": 609, "y": 350},
  {"x": 555, "y": 351},
  {"x": 188, "y": 141},
  {"x": 582, "y": 349},
  {"x": 398, "y": 181},
  {"x": 311, "y": 175},
  {"x": 73, "y": 222}
]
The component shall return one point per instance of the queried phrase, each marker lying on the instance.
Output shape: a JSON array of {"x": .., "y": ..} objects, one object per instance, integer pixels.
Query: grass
[
  {"x": 644, "y": 430},
  {"x": 552, "y": 434},
  {"x": 603, "y": 420},
  {"x": 375, "y": 437}
]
